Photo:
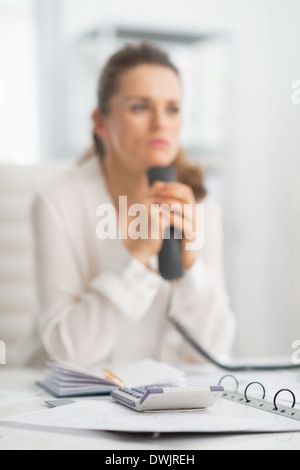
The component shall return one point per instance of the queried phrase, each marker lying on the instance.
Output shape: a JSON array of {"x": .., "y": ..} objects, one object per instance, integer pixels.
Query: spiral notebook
[{"x": 63, "y": 380}]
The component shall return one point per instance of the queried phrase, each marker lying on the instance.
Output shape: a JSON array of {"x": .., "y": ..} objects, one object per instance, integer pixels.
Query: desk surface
[{"x": 23, "y": 380}]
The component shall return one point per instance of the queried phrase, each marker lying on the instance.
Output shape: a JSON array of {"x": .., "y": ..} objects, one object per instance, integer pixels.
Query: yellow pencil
[{"x": 109, "y": 375}]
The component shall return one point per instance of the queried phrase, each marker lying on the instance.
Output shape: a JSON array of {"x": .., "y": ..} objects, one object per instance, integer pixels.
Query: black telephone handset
[{"x": 170, "y": 256}]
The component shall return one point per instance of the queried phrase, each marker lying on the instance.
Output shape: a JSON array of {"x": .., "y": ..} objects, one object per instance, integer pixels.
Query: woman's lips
[{"x": 158, "y": 143}]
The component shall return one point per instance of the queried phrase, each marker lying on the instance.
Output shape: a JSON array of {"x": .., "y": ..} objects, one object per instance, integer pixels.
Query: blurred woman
[{"x": 104, "y": 300}]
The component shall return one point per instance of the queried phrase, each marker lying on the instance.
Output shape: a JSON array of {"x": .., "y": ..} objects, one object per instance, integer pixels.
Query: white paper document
[{"x": 107, "y": 415}]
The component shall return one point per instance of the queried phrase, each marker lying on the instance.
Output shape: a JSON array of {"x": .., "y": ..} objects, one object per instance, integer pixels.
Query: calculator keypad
[{"x": 134, "y": 392}]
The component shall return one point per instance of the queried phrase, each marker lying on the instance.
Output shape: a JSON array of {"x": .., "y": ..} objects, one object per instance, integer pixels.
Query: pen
[{"x": 109, "y": 375}]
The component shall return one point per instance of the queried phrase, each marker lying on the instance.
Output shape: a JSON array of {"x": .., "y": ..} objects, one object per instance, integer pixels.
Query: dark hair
[{"x": 129, "y": 56}]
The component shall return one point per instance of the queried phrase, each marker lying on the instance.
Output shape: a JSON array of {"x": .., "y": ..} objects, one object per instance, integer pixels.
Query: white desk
[{"x": 17, "y": 439}]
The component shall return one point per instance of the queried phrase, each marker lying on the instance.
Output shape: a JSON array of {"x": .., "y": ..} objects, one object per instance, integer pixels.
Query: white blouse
[{"x": 98, "y": 304}]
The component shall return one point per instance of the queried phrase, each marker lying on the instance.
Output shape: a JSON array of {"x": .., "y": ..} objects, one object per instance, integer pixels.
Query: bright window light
[{"x": 18, "y": 84}]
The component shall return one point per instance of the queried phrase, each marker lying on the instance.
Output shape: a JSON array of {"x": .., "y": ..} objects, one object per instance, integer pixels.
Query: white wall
[{"x": 262, "y": 170}]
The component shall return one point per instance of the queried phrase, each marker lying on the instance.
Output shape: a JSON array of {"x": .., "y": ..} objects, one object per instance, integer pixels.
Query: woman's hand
[
  {"x": 157, "y": 217},
  {"x": 152, "y": 222}
]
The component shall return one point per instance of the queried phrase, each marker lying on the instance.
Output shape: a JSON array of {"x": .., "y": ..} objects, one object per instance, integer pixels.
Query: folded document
[{"x": 65, "y": 380}]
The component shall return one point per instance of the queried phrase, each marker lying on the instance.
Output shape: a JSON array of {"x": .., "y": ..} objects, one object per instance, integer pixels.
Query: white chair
[{"x": 18, "y": 184}]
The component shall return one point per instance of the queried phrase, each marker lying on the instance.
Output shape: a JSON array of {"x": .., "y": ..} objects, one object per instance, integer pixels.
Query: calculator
[{"x": 168, "y": 398}]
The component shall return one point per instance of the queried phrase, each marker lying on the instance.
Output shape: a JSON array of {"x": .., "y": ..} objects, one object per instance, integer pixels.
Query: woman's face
[{"x": 144, "y": 123}]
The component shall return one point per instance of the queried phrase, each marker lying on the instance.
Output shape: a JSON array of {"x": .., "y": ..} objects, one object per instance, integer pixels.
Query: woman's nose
[{"x": 159, "y": 119}]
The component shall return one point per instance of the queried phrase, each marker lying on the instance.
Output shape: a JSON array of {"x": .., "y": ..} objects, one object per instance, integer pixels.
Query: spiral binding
[{"x": 261, "y": 404}]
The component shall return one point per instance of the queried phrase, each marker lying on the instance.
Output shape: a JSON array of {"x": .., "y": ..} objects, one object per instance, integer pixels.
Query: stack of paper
[
  {"x": 64, "y": 380},
  {"x": 106, "y": 415}
]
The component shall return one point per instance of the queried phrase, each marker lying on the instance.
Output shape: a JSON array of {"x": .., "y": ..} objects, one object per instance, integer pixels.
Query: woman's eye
[
  {"x": 138, "y": 107},
  {"x": 174, "y": 110},
  {"x": 142, "y": 107}
]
